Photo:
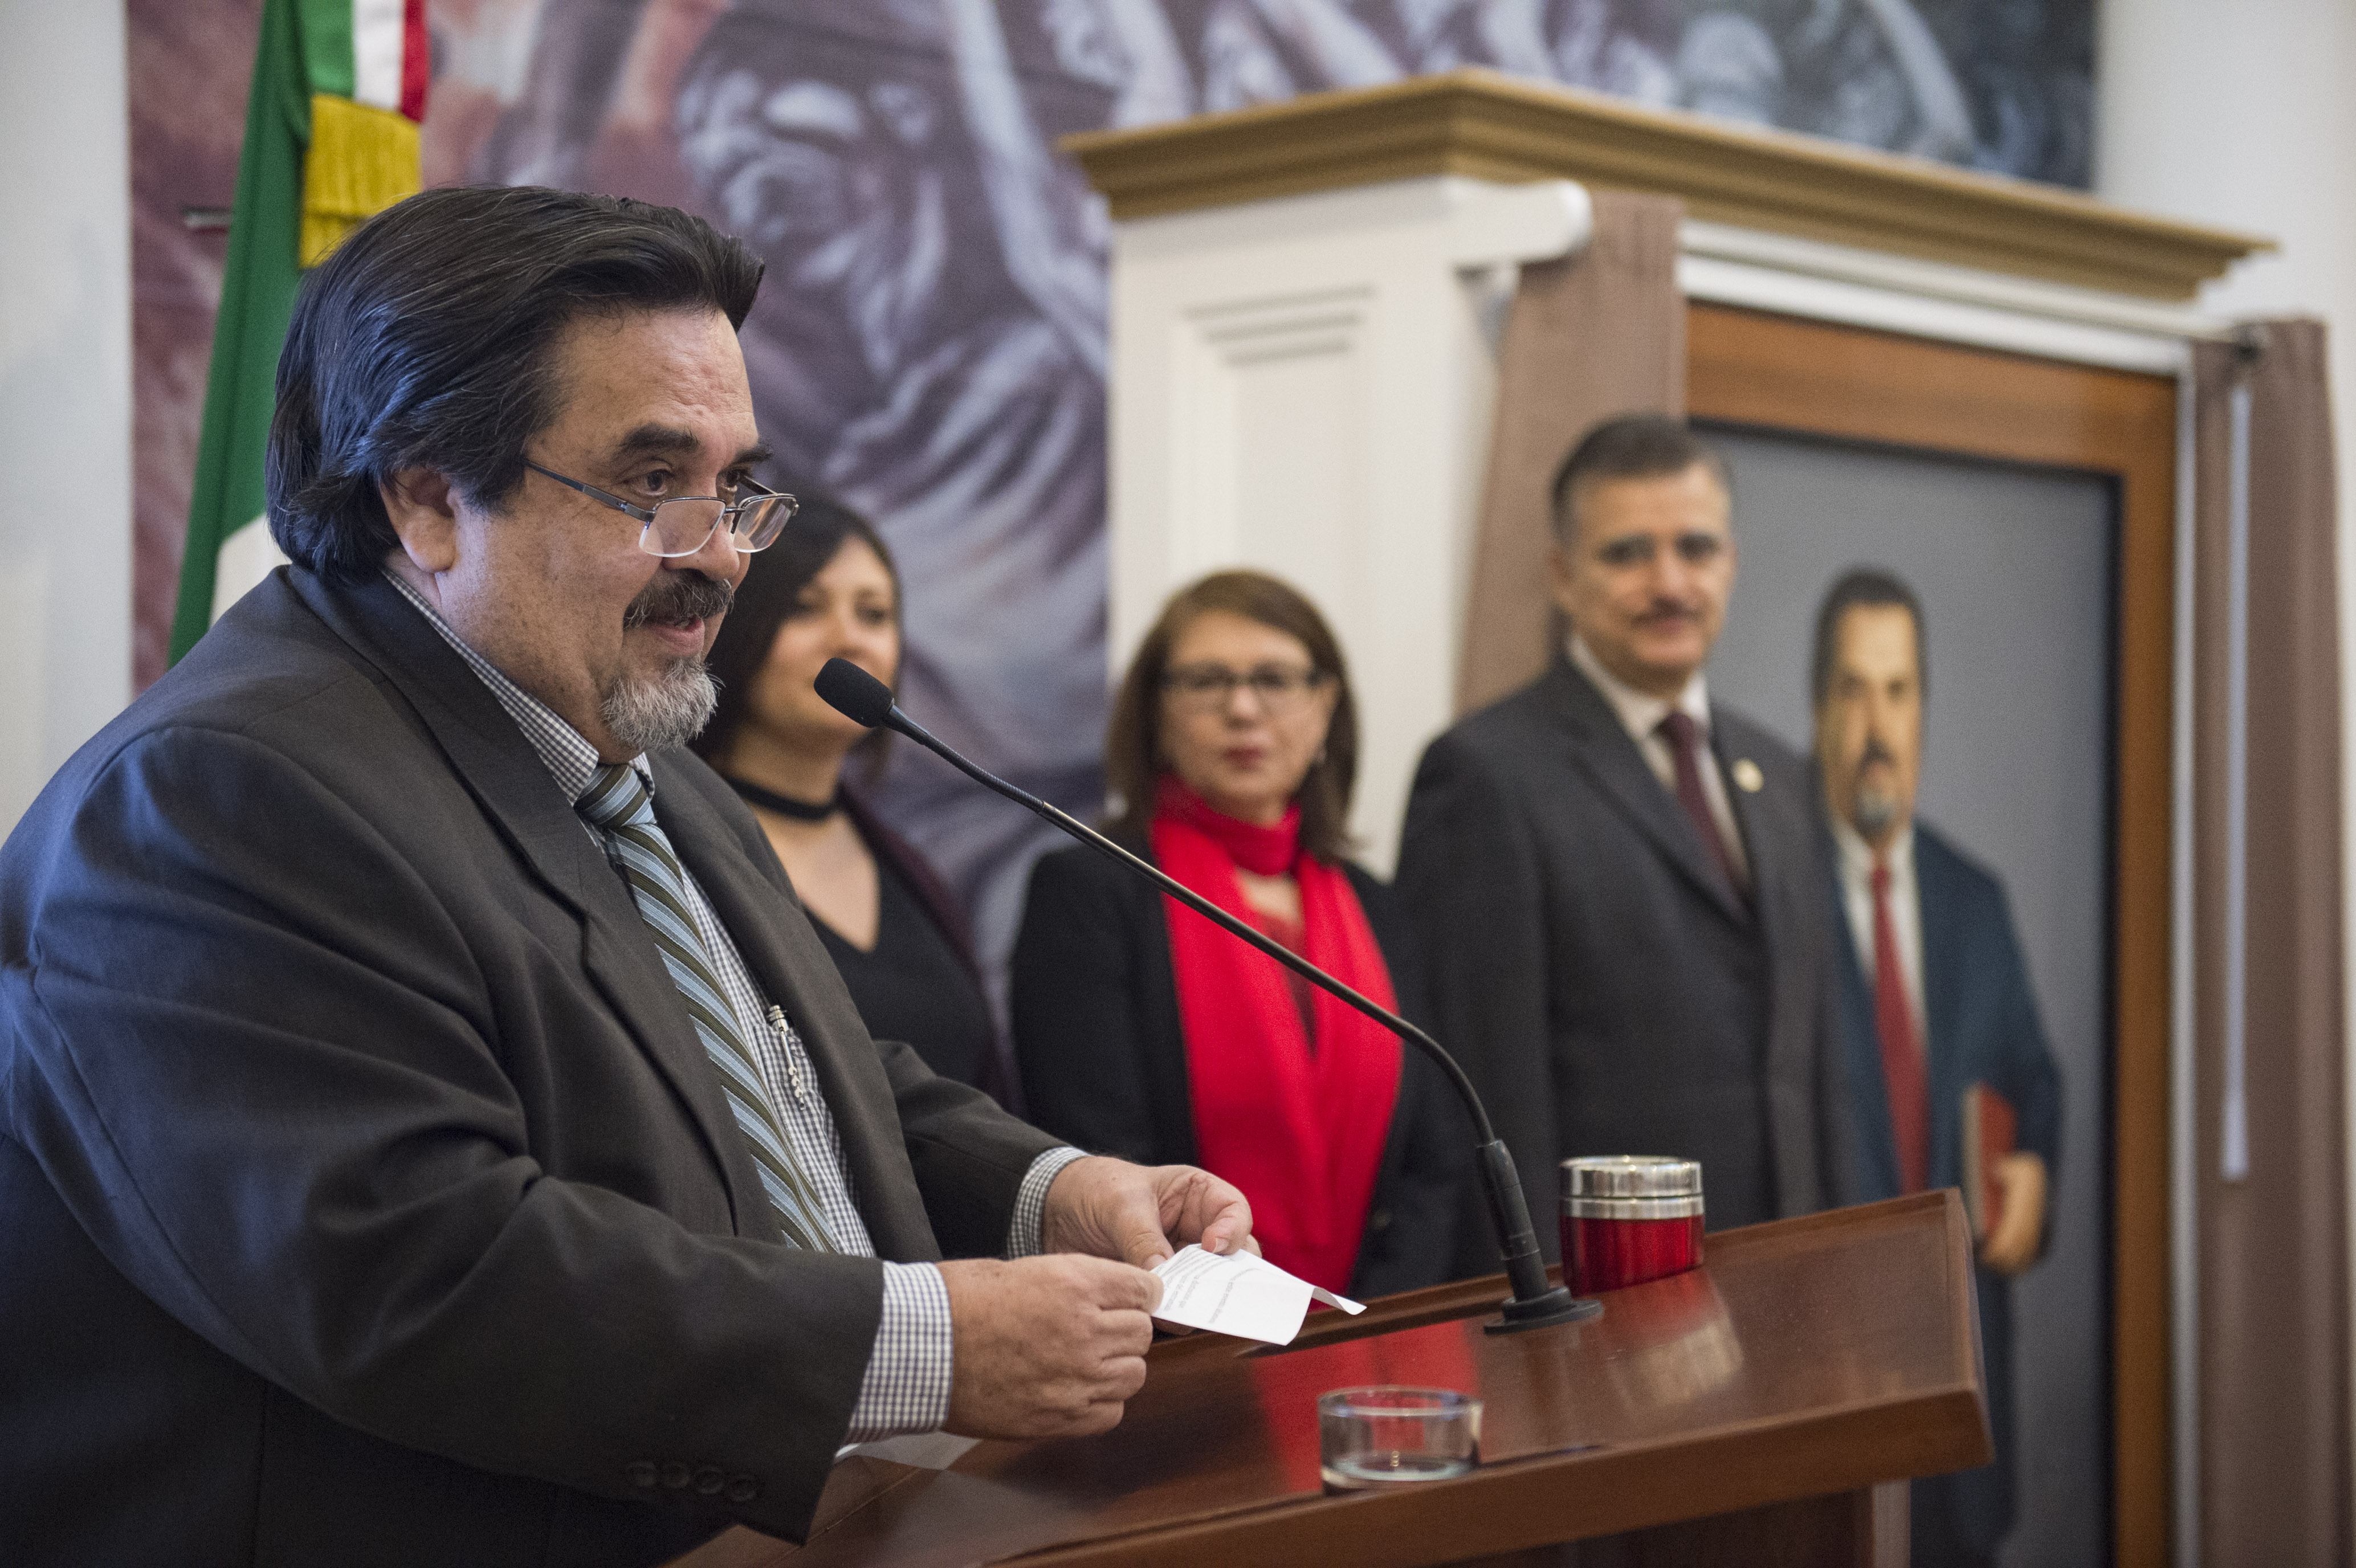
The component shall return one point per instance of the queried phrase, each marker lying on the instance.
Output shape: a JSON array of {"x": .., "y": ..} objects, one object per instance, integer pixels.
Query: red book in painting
[{"x": 1991, "y": 1131}]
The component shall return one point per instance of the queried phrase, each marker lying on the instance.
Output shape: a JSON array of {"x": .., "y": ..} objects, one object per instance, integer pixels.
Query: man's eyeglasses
[
  {"x": 1695, "y": 549},
  {"x": 685, "y": 524},
  {"x": 1282, "y": 690}
]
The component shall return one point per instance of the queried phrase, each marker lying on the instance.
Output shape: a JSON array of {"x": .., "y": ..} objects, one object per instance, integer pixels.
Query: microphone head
[{"x": 854, "y": 693}]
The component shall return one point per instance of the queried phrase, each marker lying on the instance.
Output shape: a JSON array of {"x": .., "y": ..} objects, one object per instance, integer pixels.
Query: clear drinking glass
[{"x": 1387, "y": 1437}]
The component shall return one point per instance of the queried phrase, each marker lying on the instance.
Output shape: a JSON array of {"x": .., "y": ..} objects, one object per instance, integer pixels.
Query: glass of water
[{"x": 1368, "y": 1438}]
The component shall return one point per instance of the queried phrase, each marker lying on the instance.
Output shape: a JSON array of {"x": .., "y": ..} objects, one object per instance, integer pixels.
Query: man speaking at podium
[{"x": 433, "y": 1132}]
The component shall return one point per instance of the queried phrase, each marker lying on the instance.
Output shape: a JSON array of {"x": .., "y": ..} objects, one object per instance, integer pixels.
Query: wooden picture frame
[{"x": 1818, "y": 379}]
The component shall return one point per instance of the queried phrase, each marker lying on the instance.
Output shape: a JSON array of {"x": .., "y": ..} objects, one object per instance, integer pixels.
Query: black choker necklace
[{"x": 785, "y": 805}]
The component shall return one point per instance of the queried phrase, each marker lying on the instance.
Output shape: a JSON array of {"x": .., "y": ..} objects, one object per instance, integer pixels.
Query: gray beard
[
  {"x": 1871, "y": 814},
  {"x": 668, "y": 711}
]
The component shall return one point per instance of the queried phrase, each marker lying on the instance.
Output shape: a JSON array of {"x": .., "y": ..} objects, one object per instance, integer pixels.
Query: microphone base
[{"x": 1556, "y": 1305}]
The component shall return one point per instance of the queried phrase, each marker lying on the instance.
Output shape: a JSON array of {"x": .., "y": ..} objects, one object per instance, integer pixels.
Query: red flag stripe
[{"x": 416, "y": 61}]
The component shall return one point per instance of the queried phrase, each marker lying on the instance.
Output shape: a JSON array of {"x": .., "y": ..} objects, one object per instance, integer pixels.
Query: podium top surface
[{"x": 1807, "y": 1357}]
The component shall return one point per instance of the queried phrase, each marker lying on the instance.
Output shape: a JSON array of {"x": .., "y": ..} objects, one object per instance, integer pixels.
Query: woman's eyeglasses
[{"x": 1281, "y": 690}]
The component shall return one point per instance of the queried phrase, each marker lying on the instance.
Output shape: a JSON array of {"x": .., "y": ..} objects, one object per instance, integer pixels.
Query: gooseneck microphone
[{"x": 866, "y": 701}]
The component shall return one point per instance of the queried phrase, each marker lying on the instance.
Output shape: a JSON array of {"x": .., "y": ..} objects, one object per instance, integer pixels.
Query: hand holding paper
[
  {"x": 1110, "y": 1209},
  {"x": 1240, "y": 1295}
]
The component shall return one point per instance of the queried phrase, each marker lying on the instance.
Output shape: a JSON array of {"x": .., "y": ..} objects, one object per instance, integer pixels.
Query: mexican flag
[{"x": 330, "y": 139}]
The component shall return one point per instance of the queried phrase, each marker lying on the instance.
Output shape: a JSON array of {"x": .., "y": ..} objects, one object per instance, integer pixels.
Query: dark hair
[
  {"x": 426, "y": 340},
  {"x": 1858, "y": 588},
  {"x": 1134, "y": 761},
  {"x": 1630, "y": 447},
  {"x": 768, "y": 594}
]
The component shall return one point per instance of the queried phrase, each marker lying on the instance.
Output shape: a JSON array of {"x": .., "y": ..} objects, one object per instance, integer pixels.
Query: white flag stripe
[
  {"x": 380, "y": 30},
  {"x": 245, "y": 558}
]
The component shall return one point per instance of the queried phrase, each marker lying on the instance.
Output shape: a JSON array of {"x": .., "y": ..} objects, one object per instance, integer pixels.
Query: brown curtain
[
  {"x": 2273, "y": 1220},
  {"x": 1598, "y": 333}
]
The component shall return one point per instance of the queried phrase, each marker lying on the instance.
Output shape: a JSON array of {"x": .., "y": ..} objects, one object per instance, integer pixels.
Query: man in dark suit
[
  {"x": 1934, "y": 1002},
  {"x": 433, "y": 1132},
  {"x": 1616, "y": 878}
]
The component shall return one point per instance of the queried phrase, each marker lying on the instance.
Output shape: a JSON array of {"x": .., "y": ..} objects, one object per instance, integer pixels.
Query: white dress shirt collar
[
  {"x": 1856, "y": 855},
  {"x": 1640, "y": 714},
  {"x": 568, "y": 754},
  {"x": 1857, "y": 860}
]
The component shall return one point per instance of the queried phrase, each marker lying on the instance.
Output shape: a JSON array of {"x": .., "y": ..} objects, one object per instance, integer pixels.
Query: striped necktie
[{"x": 620, "y": 805}]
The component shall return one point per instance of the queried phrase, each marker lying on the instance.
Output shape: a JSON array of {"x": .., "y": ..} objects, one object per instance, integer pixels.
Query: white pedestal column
[{"x": 1304, "y": 385}]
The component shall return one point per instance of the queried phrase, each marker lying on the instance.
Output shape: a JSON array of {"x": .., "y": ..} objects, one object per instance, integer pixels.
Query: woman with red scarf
[{"x": 1143, "y": 1030}]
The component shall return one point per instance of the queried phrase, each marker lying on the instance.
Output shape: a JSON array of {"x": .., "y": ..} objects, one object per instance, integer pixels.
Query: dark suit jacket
[
  {"x": 1103, "y": 1055},
  {"x": 1982, "y": 1026},
  {"x": 1605, "y": 990},
  {"x": 369, "y": 1197}
]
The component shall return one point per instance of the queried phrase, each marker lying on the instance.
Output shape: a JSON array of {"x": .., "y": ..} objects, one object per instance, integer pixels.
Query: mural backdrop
[{"x": 931, "y": 344}]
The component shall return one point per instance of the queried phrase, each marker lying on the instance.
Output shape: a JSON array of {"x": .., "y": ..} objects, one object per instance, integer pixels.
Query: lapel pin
[{"x": 1748, "y": 777}]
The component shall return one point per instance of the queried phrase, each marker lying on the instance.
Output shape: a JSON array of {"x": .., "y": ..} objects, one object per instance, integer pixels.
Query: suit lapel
[
  {"x": 1767, "y": 842},
  {"x": 502, "y": 772},
  {"x": 1862, "y": 1038},
  {"x": 1778, "y": 840},
  {"x": 1607, "y": 755},
  {"x": 1945, "y": 1071},
  {"x": 793, "y": 969}
]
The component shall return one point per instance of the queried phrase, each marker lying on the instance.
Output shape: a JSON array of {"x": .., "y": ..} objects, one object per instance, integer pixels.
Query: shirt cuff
[
  {"x": 1030, "y": 1201},
  {"x": 906, "y": 1385}
]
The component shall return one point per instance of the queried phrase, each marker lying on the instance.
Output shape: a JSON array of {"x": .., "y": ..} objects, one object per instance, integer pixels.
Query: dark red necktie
[
  {"x": 1685, "y": 746},
  {"x": 1902, "y": 1054}
]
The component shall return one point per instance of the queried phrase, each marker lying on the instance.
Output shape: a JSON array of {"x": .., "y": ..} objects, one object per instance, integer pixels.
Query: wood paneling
[
  {"x": 1486, "y": 125},
  {"x": 1821, "y": 379}
]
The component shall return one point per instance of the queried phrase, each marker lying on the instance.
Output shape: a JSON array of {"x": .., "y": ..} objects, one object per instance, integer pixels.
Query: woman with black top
[
  {"x": 828, "y": 588},
  {"x": 1143, "y": 1030}
]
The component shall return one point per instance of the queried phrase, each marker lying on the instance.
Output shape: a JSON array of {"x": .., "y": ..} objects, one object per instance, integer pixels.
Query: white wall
[
  {"x": 65, "y": 386},
  {"x": 2241, "y": 114}
]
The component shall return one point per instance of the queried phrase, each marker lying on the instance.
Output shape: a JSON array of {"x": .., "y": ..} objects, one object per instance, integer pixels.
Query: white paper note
[{"x": 1240, "y": 1294}]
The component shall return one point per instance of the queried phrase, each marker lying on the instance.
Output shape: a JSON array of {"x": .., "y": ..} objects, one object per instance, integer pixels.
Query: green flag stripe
[
  {"x": 258, "y": 283},
  {"x": 327, "y": 46}
]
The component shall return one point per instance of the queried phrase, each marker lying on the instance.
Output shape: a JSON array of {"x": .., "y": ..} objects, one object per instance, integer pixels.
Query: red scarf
[{"x": 1300, "y": 1132}]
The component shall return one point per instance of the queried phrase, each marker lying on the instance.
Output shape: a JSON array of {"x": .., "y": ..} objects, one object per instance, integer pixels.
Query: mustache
[
  {"x": 1875, "y": 752},
  {"x": 678, "y": 596}
]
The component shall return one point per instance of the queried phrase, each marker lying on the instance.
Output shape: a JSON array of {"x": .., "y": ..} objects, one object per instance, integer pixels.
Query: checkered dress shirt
[{"x": 906, "y": 1385}]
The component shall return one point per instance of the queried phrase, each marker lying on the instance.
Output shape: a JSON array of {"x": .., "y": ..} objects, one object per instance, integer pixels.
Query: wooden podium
[{"x": 1764, "y": 1409}]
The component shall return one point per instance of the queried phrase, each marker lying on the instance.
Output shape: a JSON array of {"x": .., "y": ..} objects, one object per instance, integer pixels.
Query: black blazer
[
  {"x": 944, "y": 999},
  {"x": 1981, "y": 1026},
  {"x": 368, "y": 1196},
  {"x": 1103, "y": 1056},
  {"x": 1605, "y": 990}
]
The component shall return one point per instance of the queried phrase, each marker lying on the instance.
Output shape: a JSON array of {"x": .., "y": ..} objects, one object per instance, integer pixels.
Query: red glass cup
[{"x": 1627, "y": 1218}]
